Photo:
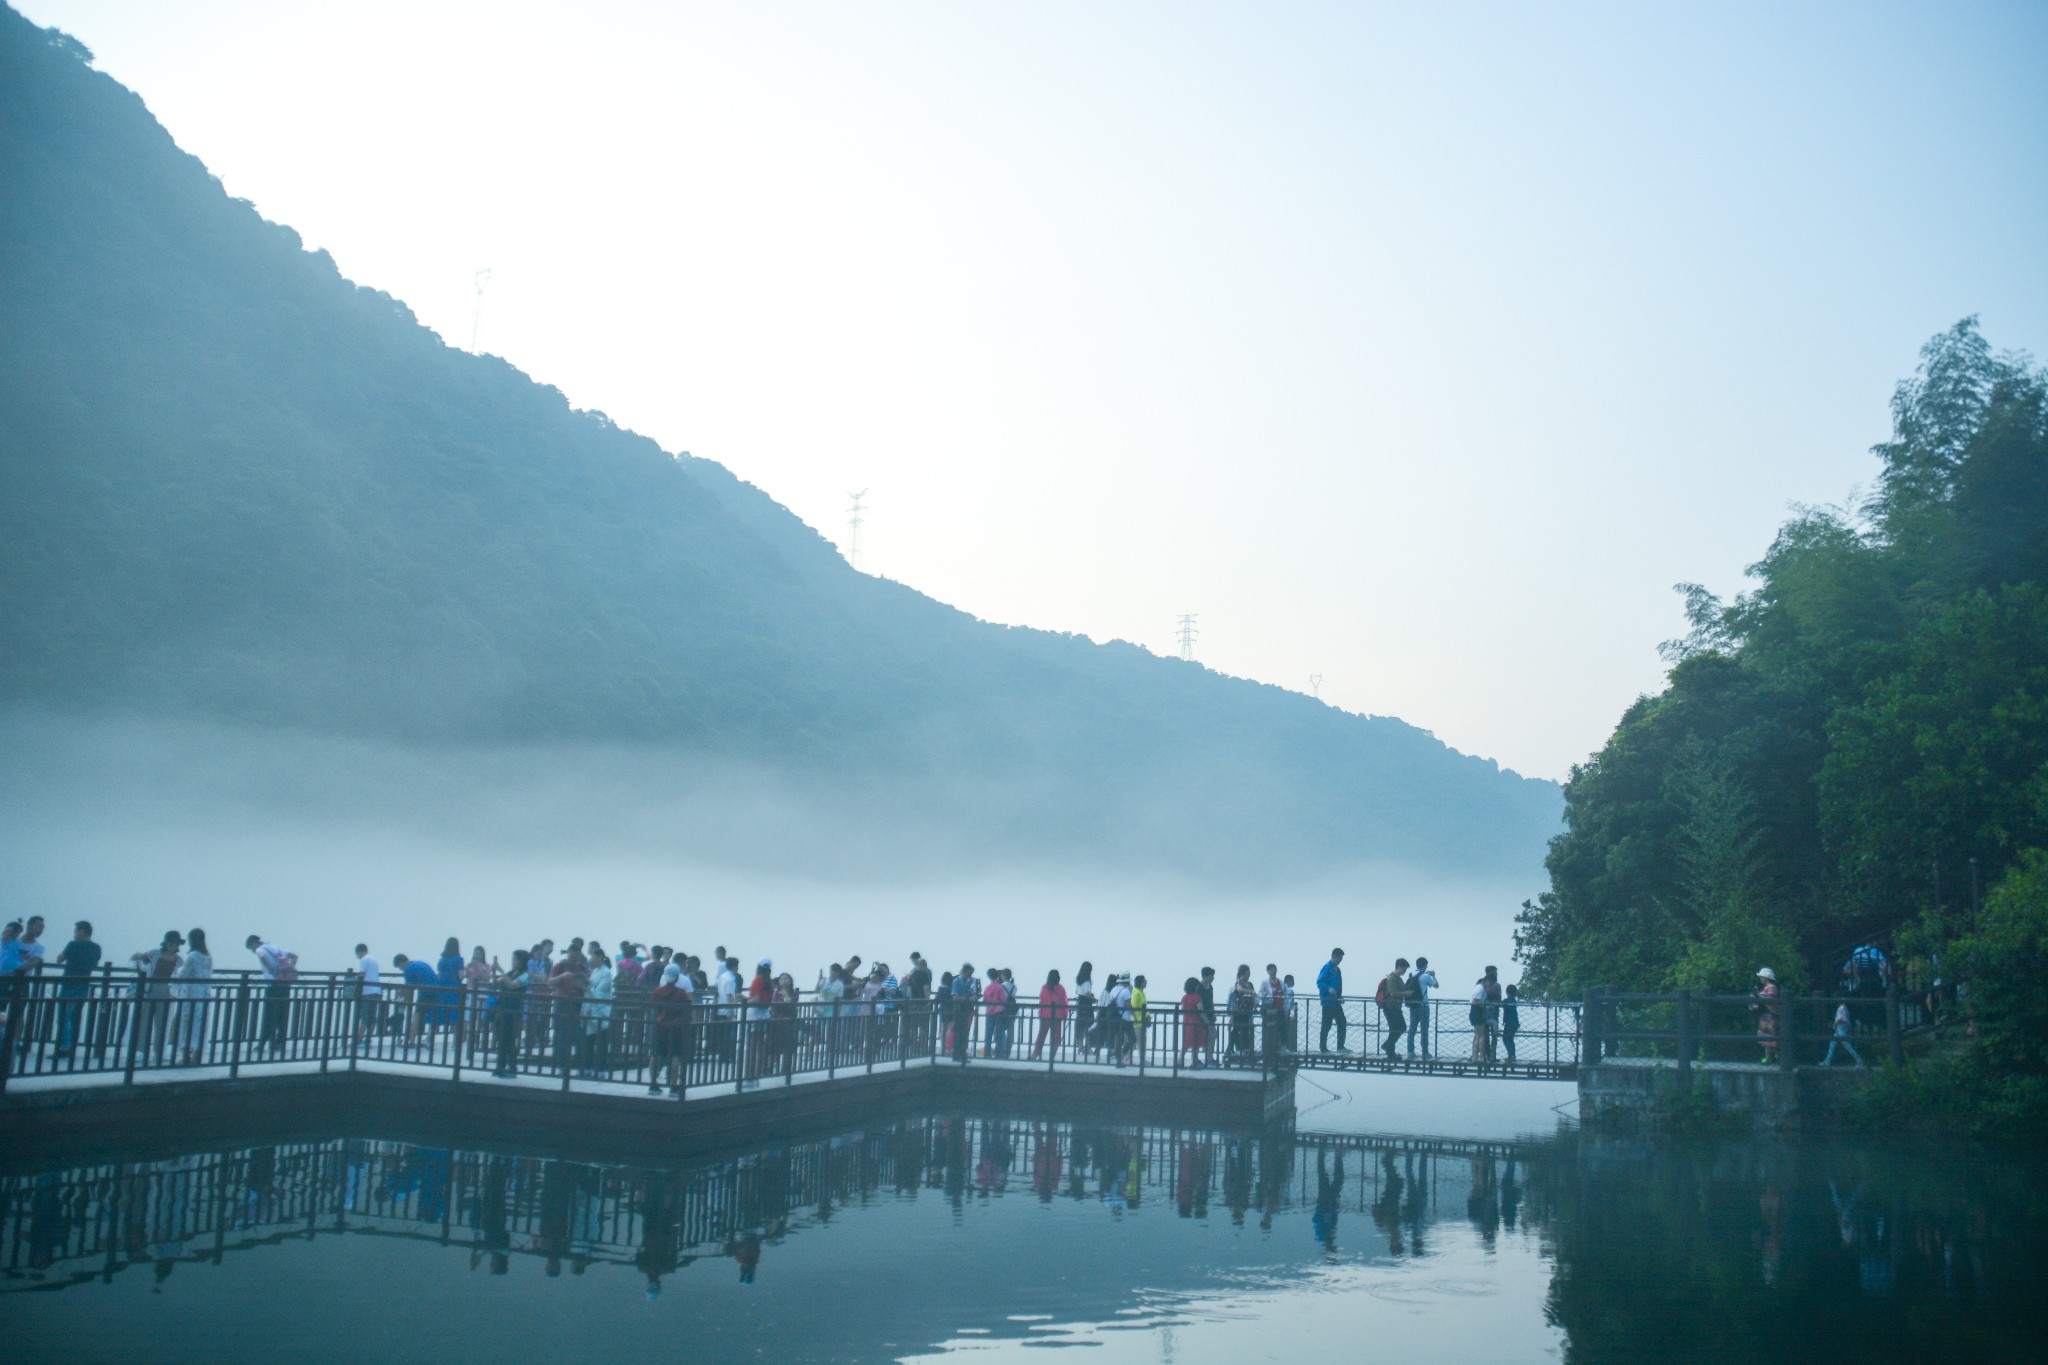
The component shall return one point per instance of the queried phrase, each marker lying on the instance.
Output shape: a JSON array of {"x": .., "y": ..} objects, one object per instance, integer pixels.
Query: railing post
[
  {"x": 134, "y": 1031},
  {"x": 1589, "y": 1027},
  {"x": 457, "y": 1025},
  {"x": 325, "y": 1026},
  {"x": 17, "y": 995},
  {"x": 1894, "y": 1039},
  {"x": 1788, "y": 1032},
  {"x": 241, "y": 1027},
  {"x": 1684, "y": 1034}
]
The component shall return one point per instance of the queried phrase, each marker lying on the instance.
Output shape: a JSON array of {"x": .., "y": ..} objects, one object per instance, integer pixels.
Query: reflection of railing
[
  {"x": 118, "y": 1026},
  {"x": 1785, "y": 1031},
  {"x": 93, "y": 1221}
]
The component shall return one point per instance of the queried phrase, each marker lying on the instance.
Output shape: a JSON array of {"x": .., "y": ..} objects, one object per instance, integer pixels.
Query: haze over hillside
[{"x": 262, "y": 514}]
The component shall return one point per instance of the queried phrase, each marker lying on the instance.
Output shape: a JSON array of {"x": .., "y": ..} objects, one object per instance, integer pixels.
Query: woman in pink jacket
[{"x": 1052, "y": 1012}]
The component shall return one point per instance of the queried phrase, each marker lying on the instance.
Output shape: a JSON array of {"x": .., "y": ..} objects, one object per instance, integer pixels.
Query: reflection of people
[
  {"x": 1482, "y": 1206},
  {"x": 1388, "y": 1210},
  {"x": 1328, "y": 1190},
  {"x": 746, "y": 1250}
]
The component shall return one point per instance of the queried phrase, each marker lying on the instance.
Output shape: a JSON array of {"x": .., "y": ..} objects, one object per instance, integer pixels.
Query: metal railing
[
  {"x": 118, "y": 1022},
  {"x": 120, "y": 1026},
  {"x": 1683, "y": 1028},
  {"x": 1529, "y": 1038}
]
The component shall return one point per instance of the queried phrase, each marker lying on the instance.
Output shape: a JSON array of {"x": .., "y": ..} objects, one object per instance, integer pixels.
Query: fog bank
[{"x": 142, "y": 826}]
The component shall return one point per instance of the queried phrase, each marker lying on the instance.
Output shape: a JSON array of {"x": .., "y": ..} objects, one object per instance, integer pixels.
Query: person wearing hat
[
  {"x": 152, "y": 1024},
  {"x": 1767, "y": 1013}
]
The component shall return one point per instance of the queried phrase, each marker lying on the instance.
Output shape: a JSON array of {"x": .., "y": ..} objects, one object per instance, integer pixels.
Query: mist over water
[{"x": 141, "y": 825}]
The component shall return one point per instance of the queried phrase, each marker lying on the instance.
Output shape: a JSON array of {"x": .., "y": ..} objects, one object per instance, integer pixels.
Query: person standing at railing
[
  {"x": 79, "y": 958},
  {"x": 831, "y": 991},
  {"x": 1420, "y": 984},
  {"x": 1194, "y": 1028},
  {"x": 448, "y": 977},
  {"x": 966, "y": 996},
  {"x": 477, "y": 976},
  {"x": 782, "y": 1024},
  {"x": 760, "y": 994},
  {"x": 1052, "y": 1013},
  {"x": 567, "y": 982},
  {"x": 1084, "y": 1007},
  {"x": 1486, "y": 998},
  {"x": 508, "y": 992},
  {"x": 1767, "y": 1013},
  {"x": 1117, "y": 1004},
  {"x": 192, "y": 986},
  {"x": 1330, "y": 992},
  {"x": 726, "y": 990},
  {"x": 1139, "y": 1017},
  {"x": 995, "y": 1000},
  {"x": 1273, "y": 1015},
  {"x": 1841, "y": 1038},
  {"x": 1391, "y": 996},
  {"x": 597, "y": 1014},
  {"x": 369, "y": 994},
  {"x": 1242, "y": 1007},
  {"x": 153, "y": 1024},
  {"x": 416, "y": 996},
  {"x": 1206, "y": 984},
  {"x": 280, "y": 967},
  {"x": 1510, "y": 1020}
]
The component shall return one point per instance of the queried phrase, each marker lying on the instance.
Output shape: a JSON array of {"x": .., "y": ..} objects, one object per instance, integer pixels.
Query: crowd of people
[{"x": 588, "y": 1010}]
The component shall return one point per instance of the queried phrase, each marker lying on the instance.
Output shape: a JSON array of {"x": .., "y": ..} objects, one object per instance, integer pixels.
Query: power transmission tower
[
  {"x": 1315, "y": 686},
  {"x": 855, "y": 519},
  {"x": 1187, "y": 635},
  {"x": 476, "y": 316}
]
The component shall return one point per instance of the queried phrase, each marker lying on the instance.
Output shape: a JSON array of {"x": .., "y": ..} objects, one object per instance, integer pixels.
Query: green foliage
[
  {"x": 236, "y": 486},
  {"x": 2003, "y": 961},
  {"x": 1876, "y": 706}
]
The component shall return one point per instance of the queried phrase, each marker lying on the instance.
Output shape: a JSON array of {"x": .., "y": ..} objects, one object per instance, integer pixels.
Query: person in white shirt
[
  {"x": 370, "y": 993},
  {"x": 1420, "y": 984},
  {"x": 193, "y": 993},
  {"x": 280, "y": 968},
  {"x": 1841, "y": 1038}
]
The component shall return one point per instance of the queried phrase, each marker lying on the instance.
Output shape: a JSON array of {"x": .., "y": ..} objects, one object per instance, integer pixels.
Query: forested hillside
[
  {"x": 236, "y": 486},
  {"x": 1840, "y": 750}
]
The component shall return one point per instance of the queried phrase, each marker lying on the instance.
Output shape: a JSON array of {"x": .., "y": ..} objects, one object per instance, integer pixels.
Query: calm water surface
[{"x": 941, "y": 1235}]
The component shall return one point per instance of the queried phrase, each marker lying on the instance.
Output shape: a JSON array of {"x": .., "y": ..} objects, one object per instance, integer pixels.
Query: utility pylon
[
  {"x": 476, "y": 315},
  {"x": 855, "y": 519},
  {"x": 1315, "y": 686},
  {"x": 1187, "y": 635}
]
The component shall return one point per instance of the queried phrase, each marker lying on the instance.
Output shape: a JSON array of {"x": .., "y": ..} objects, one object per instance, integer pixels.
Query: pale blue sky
[{"x": 1420, "y": 346}]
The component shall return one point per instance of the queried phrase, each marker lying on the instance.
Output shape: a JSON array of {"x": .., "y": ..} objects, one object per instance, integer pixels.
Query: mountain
[{"x": 236, "y": 487}]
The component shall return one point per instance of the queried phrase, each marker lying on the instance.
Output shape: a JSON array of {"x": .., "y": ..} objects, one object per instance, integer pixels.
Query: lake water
[{"x": 938, "y": 1235}]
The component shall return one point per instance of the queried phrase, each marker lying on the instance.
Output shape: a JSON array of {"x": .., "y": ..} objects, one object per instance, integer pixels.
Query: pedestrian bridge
[
  {"x": 116, "y": 1032},
  {"x": 116, "y": 1029}
]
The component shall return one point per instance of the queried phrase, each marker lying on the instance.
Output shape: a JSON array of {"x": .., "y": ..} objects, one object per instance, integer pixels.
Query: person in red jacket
[
  {"x": 1052, "y": 1012},
  {"x": 1194, "y": 1026}
]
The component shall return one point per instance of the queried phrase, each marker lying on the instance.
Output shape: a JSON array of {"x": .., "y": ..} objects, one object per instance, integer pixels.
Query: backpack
[
  {"x": 284, "y": 969},
  {"x": 1379, "y": 996}
]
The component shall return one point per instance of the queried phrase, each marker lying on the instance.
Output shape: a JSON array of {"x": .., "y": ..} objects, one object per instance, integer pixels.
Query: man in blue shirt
[{"x": 1330, "y": 990}]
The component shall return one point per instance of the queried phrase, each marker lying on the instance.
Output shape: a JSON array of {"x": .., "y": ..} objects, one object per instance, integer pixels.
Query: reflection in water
[
  {"x": 95, "y": 1222},
  {"x": 1050, "y": 1230}
]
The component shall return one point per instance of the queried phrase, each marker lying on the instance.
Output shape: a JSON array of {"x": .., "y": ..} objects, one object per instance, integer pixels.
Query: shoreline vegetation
[{"x": 1854, "y": 751}]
